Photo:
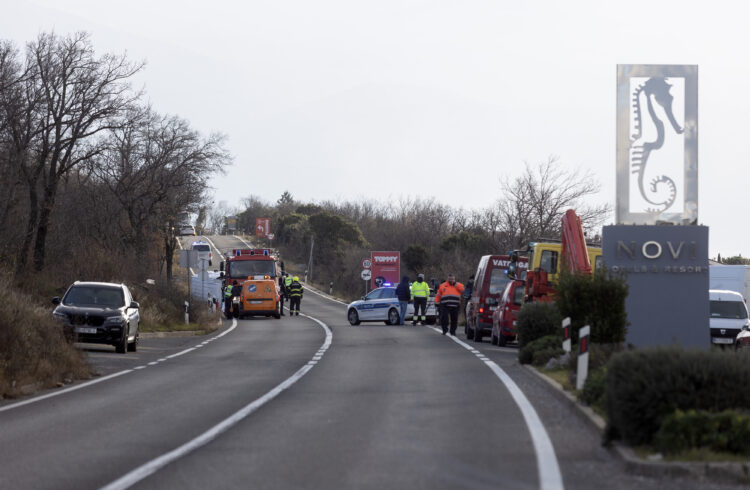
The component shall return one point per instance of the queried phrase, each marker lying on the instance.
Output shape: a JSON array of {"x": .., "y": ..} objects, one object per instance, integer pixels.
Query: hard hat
[
  {"x": 295, "y": 278},
  {"x": 420, "y": 276}
]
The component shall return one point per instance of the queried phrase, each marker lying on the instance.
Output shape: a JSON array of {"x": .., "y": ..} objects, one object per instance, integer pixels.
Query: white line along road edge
[
  {"x": 155, "y": 465},
  {"x": 550, "y": 477},
  {"x": 114, "y": 375}
]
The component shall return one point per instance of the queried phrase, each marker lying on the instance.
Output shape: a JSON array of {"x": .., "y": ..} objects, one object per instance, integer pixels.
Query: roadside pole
[
  {"x": 566, "y": 335},
  {"x": 583, "y": 356}
]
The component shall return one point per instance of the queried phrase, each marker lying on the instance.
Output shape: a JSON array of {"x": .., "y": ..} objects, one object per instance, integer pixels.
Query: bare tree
[
  {"x": 533, "y": 204},
  {"x": 81, "y": 96},
  {"x": 156, "y": 167}
]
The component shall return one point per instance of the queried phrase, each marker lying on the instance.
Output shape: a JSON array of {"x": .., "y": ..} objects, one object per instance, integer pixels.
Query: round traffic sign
[
  {"x": 366, "y": 263},
  {"x": 366, "y": 275}
]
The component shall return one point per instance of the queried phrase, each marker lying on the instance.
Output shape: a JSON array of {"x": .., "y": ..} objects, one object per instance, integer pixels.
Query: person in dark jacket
[
  {"x": 283, "y": 294},
  {"x": 403, "y": 293},
  {"x": 295, "y": 296},
  {"x": 466, "y": 295}
]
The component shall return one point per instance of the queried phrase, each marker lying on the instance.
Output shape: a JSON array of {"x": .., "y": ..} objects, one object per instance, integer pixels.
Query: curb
[{"x": 723, "y": 471}]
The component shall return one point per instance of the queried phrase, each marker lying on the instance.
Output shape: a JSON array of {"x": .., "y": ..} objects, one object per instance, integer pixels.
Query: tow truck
[
  {"x": 544, "y": 260},
  {"x": 256, "y": 271}
]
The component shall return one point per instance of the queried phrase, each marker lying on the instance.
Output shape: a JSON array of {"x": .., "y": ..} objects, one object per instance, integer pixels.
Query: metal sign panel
[
  {"x": 657, "y": 144},
  {"x": 667, "y": 274},
  {"x": 262, "y": 227},
  {"x": 386, "y": 267}
]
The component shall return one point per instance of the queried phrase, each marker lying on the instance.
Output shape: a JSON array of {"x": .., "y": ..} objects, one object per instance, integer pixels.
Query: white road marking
[
  {"x": 143, "y": 471},
  {"x": 66, "y": 390},
  {"x": 550, "y": 477},
  {"x": 108, "y": 377}
]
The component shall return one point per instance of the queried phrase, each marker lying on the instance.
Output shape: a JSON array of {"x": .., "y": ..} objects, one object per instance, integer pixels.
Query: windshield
[
  {"x": 728, "y": 309},
  {"x": 94, "y": 296},
  {"x": 247, "y": 268},
  {"x": 498, "y": 281},
  {"x": 202, "y": 247}
]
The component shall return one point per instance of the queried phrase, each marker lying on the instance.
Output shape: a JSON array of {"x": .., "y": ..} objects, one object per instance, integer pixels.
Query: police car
[{"x": 381, "y": 304}]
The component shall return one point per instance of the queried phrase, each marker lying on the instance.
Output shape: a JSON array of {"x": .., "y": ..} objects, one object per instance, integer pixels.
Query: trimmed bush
[
  {"x": 726, "y": 432},
  {"x": 541, "y": 350},
  {"x": 593, "y": 389},
  {"x": 536, "y": 320},
  {"x": 597, "y": 300},
  {"x": 643, "y": 387}
]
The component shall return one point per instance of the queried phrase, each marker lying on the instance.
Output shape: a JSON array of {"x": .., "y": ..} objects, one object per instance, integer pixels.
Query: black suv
[{"x": 100, "y": 313}]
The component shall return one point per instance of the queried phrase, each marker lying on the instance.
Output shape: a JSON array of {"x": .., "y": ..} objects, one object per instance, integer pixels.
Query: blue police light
[{"x": 387, "y": 284}]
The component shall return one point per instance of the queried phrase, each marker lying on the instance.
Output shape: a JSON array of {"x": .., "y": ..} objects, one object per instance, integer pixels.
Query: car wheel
[
  {"x": 122, "y": 346},
  {"x": 493, "y": 338},
  {"x": 353, "y": 317},
  {"x": 469, "y": 333},
  {"x": 133, "y": 347},
  {"x": 502, "y": 341},
  {"x": 477, "y": 334},
  {"x": 393, "y": 317},
  {"x": 430, "y": 321}
]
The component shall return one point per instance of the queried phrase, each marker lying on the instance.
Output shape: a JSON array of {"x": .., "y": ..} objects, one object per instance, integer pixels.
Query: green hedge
[
  {"x": 537, "y": 320},
  {"x": 725, "y": 432},
  {"x": 597, "y": 300},
  {"x": 541, "y": 350},
  {"x": 643, "y": 387}
]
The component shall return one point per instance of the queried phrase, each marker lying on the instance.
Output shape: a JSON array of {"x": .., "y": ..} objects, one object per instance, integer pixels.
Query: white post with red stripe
[
  {"x": 566, "y": 334},
  {"x": 583, "y": 356}
]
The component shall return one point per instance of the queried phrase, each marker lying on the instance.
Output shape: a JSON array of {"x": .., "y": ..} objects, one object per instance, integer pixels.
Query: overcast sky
[{"x": 384, "y": 99}]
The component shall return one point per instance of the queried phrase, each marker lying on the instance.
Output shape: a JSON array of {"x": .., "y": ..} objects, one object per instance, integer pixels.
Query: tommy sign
[{"x": 386, "y": 268}]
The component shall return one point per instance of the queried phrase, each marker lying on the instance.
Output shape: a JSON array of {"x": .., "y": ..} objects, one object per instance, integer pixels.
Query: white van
[
  {"x": 204, "y": 251},
  {"x": 728, "y": 316}
]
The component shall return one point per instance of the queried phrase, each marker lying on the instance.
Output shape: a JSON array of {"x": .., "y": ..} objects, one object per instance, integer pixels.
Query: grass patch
[{"x": 695, "y": 455}]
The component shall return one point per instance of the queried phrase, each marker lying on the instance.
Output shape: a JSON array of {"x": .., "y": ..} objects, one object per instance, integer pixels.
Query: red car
[{"x": 504, "y": 317}]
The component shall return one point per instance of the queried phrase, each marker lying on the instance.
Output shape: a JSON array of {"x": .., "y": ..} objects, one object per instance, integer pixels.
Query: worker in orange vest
[{"x": 448, "y": 302}]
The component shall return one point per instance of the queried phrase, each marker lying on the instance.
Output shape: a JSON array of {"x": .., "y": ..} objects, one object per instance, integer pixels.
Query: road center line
[
  {"x": 550, "y": 477},
  {"x": 145, "y": 470}
]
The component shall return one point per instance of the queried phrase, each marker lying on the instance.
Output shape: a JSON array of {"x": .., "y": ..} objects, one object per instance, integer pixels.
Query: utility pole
[{"x": 310, "y": 262}]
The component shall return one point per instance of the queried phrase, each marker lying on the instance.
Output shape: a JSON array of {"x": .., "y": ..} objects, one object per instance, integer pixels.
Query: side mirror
[
  {"x": 744, "y": 327},
  {"x": 134, "y": 304},
  {"x": 362, "y": 298},
  {"x": 221, "y": 274},
  {"x": 221, "y": 266},
  {"x": 56, "y": 301}
]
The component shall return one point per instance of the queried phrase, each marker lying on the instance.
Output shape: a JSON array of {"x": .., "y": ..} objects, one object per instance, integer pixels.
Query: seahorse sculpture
[{"x": 659, "y": 89}]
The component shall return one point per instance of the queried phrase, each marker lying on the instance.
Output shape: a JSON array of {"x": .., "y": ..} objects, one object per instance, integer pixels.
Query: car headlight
[
  {"x": 59, "y": 316},
  {"x": 115, "y": 320}
]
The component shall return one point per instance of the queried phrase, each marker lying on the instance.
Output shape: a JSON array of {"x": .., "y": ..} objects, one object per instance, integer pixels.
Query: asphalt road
[{"x": 306, "y": 402}]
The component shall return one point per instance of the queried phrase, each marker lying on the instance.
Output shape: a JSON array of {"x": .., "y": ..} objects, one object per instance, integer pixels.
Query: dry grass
[{"x": 33, "y": 350}]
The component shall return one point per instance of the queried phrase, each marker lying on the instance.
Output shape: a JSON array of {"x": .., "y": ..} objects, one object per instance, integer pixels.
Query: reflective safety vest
[
  {"x": 295, "y": 290},
  {"x": 420, "y": 290},
  {"x": 287, "y": 281},
  {"x": 228, "y": 291},
  {"x": 449, "y": 295}
]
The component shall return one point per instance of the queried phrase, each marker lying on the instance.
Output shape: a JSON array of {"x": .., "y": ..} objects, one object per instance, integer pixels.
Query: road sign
[
  {"x": 366, "y": 275},
  {"x": 366, "y": 263},
  {"x": 270, "y": 236}
]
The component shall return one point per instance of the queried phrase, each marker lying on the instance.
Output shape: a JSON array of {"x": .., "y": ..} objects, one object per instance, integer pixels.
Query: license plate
[
  {"x": 493, "y": 308},
  {"x": 85, "y": 330},
  {"x": 719, "y": 340},
  {"x": 255, "y": 302}
]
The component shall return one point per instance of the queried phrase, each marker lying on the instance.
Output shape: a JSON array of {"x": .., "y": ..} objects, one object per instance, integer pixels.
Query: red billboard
[
  {"x": 262, "y": 227},
  {"x": 386, "y": 268}
]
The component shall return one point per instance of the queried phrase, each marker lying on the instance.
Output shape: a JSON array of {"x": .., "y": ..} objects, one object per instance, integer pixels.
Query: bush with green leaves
[
  {"x": 536, "y": 320},
  {"x": 541, "y": 350},
  {"x": 724, "y": 432},
  {"x": 593, "y": 389},
  {"x": 597, "y": 300},
  {"x": 645, "y": 386}
]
